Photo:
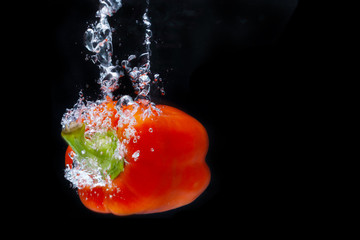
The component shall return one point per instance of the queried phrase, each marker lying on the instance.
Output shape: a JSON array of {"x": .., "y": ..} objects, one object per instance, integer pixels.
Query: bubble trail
[
  {"x": 141, "y": 75},
  {"x": 98, "y": 40}
]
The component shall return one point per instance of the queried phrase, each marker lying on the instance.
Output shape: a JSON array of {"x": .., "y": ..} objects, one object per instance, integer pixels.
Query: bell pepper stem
[
  {"x": 73, "y": 134},
  {"x": 102, "y": 148}
]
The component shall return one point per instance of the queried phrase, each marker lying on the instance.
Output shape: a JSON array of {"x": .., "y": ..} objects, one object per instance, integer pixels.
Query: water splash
[{"x": 94, "y": 114}]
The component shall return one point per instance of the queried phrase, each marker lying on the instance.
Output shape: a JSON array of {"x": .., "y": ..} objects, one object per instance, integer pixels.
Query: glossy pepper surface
[{"x": 163, "y": 164}]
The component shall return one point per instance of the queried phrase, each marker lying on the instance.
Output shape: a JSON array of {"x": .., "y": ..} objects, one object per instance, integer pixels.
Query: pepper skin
[{"x": 164, "y": 167}]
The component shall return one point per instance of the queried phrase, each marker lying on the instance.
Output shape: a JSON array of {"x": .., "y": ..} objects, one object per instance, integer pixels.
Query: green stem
[{"x": 101, "y": 148}]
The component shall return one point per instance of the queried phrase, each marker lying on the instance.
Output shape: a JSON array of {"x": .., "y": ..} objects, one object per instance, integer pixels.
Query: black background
[{"x": 233, "y": 65}]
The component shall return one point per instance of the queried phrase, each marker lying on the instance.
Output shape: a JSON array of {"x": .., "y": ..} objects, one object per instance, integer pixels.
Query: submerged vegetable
[{"x": 153, "y": 161}]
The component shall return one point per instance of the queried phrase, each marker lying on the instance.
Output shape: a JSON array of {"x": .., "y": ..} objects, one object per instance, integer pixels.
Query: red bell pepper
[{"x": 153, "y": 161}]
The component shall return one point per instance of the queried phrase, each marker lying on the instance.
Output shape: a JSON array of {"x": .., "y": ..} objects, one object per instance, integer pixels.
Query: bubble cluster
[{"x": 81, "y": 175}]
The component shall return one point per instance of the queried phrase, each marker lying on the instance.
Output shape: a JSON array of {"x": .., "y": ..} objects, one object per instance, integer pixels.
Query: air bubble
[
  {"x": 124, "y": 101},
  {"x": 136, "y": 155}
]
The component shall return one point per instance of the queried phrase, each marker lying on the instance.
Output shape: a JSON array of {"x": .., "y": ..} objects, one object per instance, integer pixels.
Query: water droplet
[
  {"x": 151, "y": 130},
  {"x": 152, "y": 149}
]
